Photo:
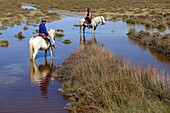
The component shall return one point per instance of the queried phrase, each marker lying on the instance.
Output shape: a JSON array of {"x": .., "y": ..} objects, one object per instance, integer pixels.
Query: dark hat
[{"x": 43, "y": 20}]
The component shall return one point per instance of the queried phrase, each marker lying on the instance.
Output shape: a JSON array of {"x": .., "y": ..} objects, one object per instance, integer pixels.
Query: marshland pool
[{"x": 23, "y": 89}]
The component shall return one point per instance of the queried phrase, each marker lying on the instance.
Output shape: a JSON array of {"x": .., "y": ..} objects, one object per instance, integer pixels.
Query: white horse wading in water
[
  {"x": 94, "y": 23},
  {"x": 38, "y": 43}
]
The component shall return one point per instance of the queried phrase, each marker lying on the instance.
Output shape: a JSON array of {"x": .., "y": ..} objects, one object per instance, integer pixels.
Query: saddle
[
  {"x": 88, "y": 23},
  {"x": 44, "y": 37}
]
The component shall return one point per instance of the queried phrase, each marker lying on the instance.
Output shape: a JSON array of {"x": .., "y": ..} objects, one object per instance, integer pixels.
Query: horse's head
[
  {"x": 51, "y": 32},
  {"x": 102, "y": 20}
]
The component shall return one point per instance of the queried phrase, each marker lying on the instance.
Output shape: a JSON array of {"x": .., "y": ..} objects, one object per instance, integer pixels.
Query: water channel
[{"x": 25, "y": 90}]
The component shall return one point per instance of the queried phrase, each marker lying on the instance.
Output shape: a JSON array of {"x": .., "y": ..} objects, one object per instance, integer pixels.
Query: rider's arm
[
  {"x": 86, "y": 14},
  {"x": 45, "y": 31},
  {"x": 90, "y": 15}
]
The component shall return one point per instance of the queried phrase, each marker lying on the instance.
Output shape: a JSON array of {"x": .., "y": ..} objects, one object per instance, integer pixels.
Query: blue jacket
[{"x": 42, "y": 29}]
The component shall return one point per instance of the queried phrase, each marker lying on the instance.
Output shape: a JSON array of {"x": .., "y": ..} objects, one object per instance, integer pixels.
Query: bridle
[{"x": 102, "y": 21}]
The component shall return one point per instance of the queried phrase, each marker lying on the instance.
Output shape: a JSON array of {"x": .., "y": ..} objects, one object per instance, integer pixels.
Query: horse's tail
[{"x": 31, "y": 48}]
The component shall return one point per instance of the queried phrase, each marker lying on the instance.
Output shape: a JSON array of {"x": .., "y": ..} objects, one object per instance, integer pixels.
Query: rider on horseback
[
  {"x": 43, "y": 32},
  {"x": 88, "y": 17}
]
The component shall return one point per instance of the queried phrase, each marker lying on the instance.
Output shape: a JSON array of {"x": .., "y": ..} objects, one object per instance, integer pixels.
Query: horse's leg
[
  {"x": 84, "y": 28},
  {"x": 35, "y": 53},
  {"x": 80, "y": 28},
  {"x": 31, "y": 51},
  {"x": 45, "y": 53},
  {"x": 51, "y": 52},
  {"x": 51, "y": 64},
  {"x": 94, "y": 29},
  {"x": 32, "y": 70}
]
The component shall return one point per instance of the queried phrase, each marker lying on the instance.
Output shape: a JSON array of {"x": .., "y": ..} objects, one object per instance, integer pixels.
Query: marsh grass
[
  {"x": 100, "y": 82},
  {"x": 59, "y": 35},
  {"x": 109, "y": 8},
  {"x": 12, "y": 13},
  {"x": 67, "y": 41},
  {"x": 25, "y": 28},
  {"x": 60, "y": 30},
  {"x": 20, "y": 36},
  {"x": 4, "y": 43},
  {"x": 76, "y": 25},
  {"x": 158, "y": 42}
]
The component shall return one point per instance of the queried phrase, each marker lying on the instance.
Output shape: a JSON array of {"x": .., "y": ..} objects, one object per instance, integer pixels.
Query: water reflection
[
  {"x": 149, "y": 29},
  {"x": 84, "y": 42},
  {"x": 159, "y": 56},
  {"x": 41, "y": 75}
]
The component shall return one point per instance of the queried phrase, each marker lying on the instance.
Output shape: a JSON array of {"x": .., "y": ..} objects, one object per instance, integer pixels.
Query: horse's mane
[
  {"x": 98, "y": 17},
  {"x": 51, "y": 32}
]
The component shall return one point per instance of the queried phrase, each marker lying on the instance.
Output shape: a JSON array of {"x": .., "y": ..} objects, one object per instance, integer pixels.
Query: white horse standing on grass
[
  {"x": 94, "y": 23},
  {"x": 38, "y": 43}
]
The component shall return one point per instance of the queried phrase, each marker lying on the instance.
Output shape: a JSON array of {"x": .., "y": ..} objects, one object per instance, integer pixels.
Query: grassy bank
[
  {"x": 12, "y": 14},
  {"x": 99, "y": 82},
  {"x": 159, "y": 42},
  {"x": 123, "y": 9},
  {"x": 152, "y": 13}
]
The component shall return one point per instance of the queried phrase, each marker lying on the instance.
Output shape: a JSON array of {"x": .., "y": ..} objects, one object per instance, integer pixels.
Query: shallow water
[
  {"x": 30, "y": 7},
  {"x": 28, "y": 87}
]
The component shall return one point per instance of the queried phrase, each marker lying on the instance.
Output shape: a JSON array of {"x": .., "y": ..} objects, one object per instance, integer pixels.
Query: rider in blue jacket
[
  {"x": 42, "y": 28},
  {"x": 43, "y": 32}
]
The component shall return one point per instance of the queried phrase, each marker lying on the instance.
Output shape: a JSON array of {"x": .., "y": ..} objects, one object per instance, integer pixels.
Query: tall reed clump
[{"x": 100, "y": 82}]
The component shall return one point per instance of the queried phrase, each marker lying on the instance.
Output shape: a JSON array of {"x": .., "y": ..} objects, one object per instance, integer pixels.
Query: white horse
[
  {"x": 38, "y": 43},
  {"x": 94, "y": 23}
]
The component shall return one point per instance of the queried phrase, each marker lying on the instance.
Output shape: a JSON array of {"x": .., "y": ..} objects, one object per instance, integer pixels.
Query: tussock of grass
[
  {"x": 100, "y": 82},
  {"x": 59, "y": 35},
  {"x": 20, "y": 36},
  {"x": 67, "y": 41},
  {"x": 25, "y": 28},
  {"x": 60, "y": 30},
  {"x": 4, "y": 43},
  {"x": 76, "y": 25}
]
